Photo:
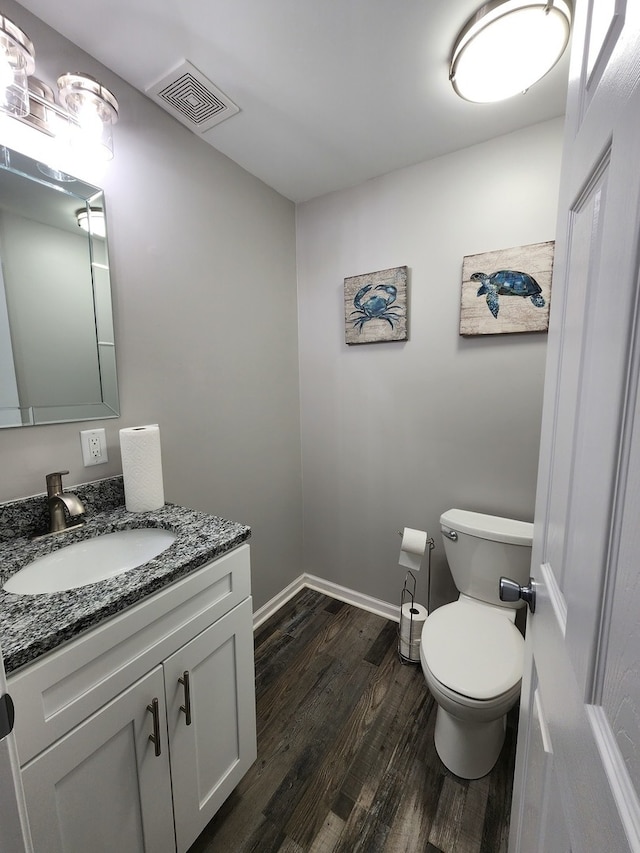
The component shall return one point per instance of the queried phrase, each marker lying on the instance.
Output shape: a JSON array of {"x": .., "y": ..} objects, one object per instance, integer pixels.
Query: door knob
[{"x": 512, "y": 591}]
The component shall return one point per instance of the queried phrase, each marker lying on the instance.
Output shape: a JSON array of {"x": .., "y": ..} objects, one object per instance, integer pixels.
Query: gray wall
[
  {"x": 393, "y": 434},
  {"x": 203, "y": 271},
  {"x": 207, "y": 317}
]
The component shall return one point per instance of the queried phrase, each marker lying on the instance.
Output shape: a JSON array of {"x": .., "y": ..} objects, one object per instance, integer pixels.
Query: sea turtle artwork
[
  {"x": 491, "y": 281},
  {"x": 376, "y": 306},
  {"x": 508, "y": 283}
]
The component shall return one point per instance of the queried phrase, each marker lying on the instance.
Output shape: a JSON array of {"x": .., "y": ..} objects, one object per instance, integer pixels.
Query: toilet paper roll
[
  {"x": 412, "y": 619},
  {"x": 410, "y": 651},
  {"x": 414, "y": 544},
  {"x": 142, "y": 468}
]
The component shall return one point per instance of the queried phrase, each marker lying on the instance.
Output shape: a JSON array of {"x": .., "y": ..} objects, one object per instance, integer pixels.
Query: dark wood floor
[{"x": 346, "y": 760}]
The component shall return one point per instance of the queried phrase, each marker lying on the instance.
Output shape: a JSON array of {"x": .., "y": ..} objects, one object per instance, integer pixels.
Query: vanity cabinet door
[
  {"x": 211, "y": 718},
  {"x": 102, "y": 787}
]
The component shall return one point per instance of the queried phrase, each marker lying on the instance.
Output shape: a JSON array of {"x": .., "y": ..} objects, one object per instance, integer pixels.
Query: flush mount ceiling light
[
  {"x": 17, "y": 62},
  {"x": 507, "y": 46},
  {"x": 91, "y": 220}
]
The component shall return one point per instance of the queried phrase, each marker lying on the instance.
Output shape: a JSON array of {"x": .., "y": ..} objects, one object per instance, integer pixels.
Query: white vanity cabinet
[
  {"x": 178, "y": 667},
  {"x": 101, "y": 787},
  {"x": 211, "y": 751}
]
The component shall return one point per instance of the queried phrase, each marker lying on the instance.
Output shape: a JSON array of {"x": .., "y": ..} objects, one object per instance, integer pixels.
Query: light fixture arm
[{"x": 43, "y": 108}]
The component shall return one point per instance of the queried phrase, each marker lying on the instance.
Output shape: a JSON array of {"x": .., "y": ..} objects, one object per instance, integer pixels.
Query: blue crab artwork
[
  {"x": 508, "y": 283},
  {"x": 375, "y": 306}
]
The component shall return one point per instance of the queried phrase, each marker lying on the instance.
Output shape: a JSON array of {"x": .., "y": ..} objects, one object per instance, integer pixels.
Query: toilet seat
[{"x": 473, "y": 649}]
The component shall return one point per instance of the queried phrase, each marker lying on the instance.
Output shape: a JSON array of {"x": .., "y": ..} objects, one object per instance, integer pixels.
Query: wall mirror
[{"x": 57, "y": 352}]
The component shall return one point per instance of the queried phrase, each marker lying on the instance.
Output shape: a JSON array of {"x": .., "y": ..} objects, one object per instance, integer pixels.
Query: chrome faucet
[{"x": 58, "y": 500}]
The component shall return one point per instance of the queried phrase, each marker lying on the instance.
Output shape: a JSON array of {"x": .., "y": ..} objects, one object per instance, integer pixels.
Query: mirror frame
[{"x": 90, "y": 196}]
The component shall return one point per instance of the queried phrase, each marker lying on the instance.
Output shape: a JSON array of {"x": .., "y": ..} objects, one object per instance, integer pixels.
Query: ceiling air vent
[{"x": 192, "y": 99}]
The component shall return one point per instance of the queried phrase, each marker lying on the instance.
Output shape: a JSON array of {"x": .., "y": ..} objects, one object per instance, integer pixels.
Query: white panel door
[
  {"x": 211, "y": 718},
  {"x": 102, "y": 787},
  {"x": 578, "y": 762}
]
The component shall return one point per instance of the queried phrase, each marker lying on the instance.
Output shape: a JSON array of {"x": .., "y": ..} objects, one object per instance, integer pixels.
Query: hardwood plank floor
[{"x": 346, "y": 760}]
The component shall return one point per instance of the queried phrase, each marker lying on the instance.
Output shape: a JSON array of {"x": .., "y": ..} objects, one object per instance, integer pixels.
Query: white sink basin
[{"x": 90, "y": 560}]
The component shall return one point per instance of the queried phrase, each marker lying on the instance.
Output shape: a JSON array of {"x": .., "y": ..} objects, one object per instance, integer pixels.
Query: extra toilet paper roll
[
  {"x": 142, "y": 468},
  {"x": 410, "y": 652},
  {"x": 414, "y": 544},
  {"x": 412, "y": 619}
]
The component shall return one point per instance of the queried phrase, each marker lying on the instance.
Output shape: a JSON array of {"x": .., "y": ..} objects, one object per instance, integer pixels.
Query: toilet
[{"x": 471, "y": 651}]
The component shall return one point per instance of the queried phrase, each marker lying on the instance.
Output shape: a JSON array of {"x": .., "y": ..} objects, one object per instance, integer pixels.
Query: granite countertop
[{"x": 31, "y": 625}]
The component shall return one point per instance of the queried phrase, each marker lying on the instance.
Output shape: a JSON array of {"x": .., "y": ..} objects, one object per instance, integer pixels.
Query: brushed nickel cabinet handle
[
  {"x": 155, "y": 737},
  {"x": 187, "y": 696}
]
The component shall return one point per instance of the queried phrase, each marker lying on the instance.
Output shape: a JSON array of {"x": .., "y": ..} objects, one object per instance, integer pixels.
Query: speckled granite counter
[{"x": 31, "y": 625}]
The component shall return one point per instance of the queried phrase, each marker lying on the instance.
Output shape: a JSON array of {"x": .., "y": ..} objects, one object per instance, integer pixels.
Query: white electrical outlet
[{"x": 94, "y": 446}]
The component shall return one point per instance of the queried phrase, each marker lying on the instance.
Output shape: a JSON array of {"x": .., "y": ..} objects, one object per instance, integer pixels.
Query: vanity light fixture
[
  {"x": 91, "y": 220},
  {"x": 93, "y": 108},
  {"x": 85, "y": 113},
  {"x": 17, "y": 62},
  {"x": 507, "y": 46}
]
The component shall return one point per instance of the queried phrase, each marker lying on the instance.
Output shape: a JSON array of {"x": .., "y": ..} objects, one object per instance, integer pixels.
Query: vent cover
[{"x": 192, "y": 99}]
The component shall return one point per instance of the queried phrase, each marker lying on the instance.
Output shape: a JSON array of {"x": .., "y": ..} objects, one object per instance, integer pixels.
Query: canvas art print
[
  {"x": 375, "y": 307},
  {"x": 508, "y": 290}
]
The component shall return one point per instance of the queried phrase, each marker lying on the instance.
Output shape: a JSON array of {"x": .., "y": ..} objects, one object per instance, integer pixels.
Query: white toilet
[{"x": 471, "y": 651}]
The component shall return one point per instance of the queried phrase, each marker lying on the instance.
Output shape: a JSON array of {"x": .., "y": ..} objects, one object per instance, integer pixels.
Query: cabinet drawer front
[{"x": 56, "y": 693}]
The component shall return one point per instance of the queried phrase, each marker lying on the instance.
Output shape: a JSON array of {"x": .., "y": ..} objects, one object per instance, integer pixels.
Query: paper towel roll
[
  {"x": 412, "y": 619},
  {"x": 414, "y": 544},
  {"x": 142, "y": 468}
]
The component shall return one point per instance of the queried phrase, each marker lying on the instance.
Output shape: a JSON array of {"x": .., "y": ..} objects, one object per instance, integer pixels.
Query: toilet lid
[{"x": 473, "y": 650}]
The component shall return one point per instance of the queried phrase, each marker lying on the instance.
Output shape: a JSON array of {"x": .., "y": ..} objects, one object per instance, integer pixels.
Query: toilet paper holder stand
[{"x": 408, "y": 595}]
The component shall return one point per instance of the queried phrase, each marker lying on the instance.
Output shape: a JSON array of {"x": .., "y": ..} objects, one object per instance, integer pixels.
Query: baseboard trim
[
  {"x": 263, "y": 613},
  {"x": 350, "y": 596},
  {"x": 342, "y": 593}
]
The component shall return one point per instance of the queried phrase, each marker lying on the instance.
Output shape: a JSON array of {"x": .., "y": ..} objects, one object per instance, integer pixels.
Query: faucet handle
[{"x": 54, "y": 482}]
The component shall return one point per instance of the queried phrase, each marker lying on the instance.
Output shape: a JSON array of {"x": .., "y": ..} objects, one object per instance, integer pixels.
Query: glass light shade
[
  {"x": 91, "y": 220},
  {"x": 507, "y": 47},
  {"x": 94, "y": 110},
  {"x": 17, "y": 62}
]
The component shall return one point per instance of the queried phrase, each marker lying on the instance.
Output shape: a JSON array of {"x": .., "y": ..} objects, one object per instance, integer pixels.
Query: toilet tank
[{"x": 486, "y": 548}]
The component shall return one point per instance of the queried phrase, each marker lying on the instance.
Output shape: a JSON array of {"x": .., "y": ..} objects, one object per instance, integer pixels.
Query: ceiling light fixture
[
  {"x": 507, "y": 46},
  {"x": 92, "y": 221},
  {"x": 87, "y": 110}
]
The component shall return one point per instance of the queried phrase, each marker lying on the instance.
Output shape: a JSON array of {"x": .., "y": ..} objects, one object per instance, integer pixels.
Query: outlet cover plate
[{"x": 94, "y": 446}]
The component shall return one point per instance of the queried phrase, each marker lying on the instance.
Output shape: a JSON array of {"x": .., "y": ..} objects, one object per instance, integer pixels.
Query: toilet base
[{"x": 466, "y": 748}]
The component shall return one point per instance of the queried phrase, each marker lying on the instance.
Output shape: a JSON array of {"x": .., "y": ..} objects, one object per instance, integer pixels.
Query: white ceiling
[{"x": 331, "y": 92}]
